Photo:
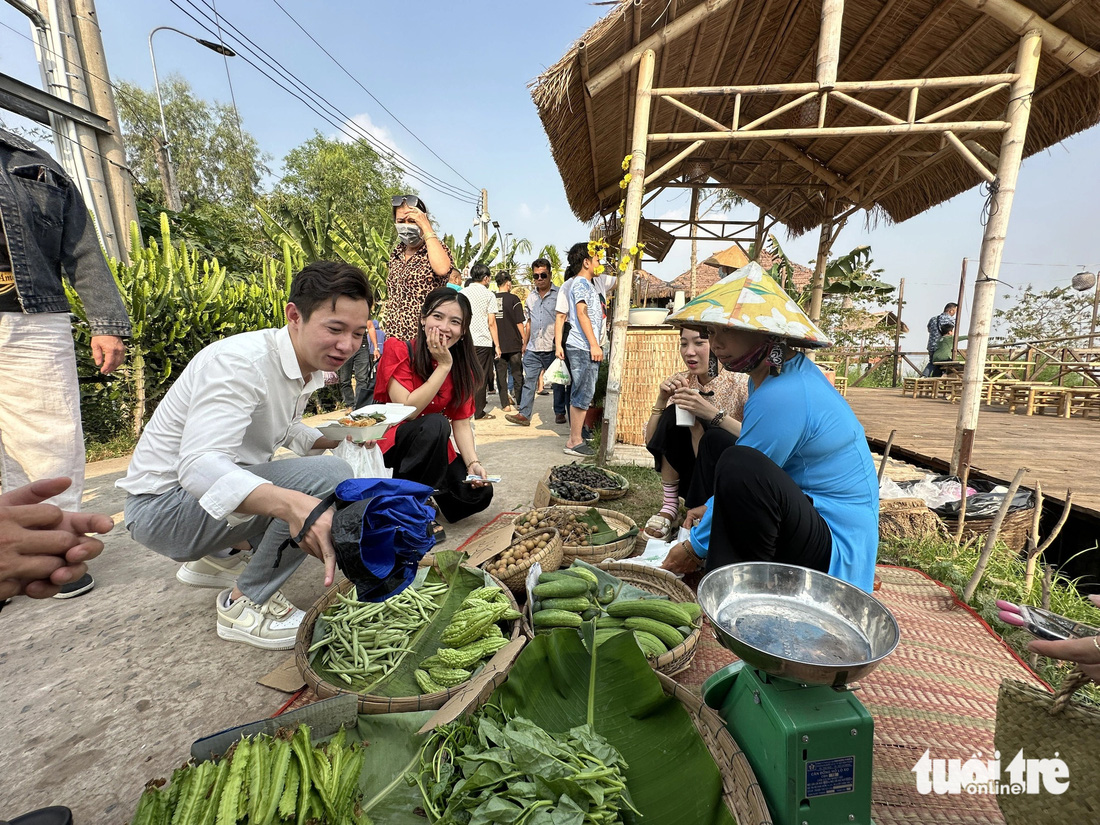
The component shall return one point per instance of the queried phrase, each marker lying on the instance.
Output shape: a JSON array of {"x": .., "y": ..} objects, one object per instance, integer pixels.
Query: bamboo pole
[
  {"x": 786, "y": 107},
  {"x": 662, "y": 38},
  {"x": 828, "y": 42},
  {"x": 665, "y": 167},
  {"x": 1000, "y": 209},
  {"x": 958, "y": 312},
  {"x": 632, "y": 219},
  {"x": 824, "y": 244},
  {"x": 962, "y": 104},
  {"x": 695, "y": 113},
  {"x": 897, "y": 333},
  {"x": 694, "y": 242},
  {"x": 835, "y": 131},
  {"x": 589, "y": 117},
  {"x": 969, "y": 157},
  {"x": 874, "y": 111},
  {"x": 885, "y": 451},
  {"x": 953, "y": 82},
  {"x": 1056, "y": 42}
]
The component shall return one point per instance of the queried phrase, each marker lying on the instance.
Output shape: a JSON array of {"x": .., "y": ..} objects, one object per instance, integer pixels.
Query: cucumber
[
  {"x": 584, "y": 572},
  {"x": 553, "y": 576},
  {"x": 651, "y": 646},
  {"x": 607, "y": 595},
  {"x": 694, "y": 611},
  {"x": 609, "y": 622},
  {"x": 556, "y": 618},
  {"x": 605, "y": 633},
  {"x": 574, "y": 604},
  {"x": 563, "y": 589},
  {"x": 668, "y": 634},
  {"x": 659, "y": 609},
  {"x": 590, "y": 613}
]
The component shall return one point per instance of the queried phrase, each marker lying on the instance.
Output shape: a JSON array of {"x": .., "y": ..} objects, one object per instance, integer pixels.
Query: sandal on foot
[
  {"x": 659, "y": 527},
  {"x": 437, "y": 531}
]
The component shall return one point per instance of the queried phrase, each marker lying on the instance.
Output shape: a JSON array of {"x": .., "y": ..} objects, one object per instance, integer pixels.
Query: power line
[
  {"x": 371, "y": 94},
  {"x": 417, "y": 173},
  {"x": 232, "y": 94}
]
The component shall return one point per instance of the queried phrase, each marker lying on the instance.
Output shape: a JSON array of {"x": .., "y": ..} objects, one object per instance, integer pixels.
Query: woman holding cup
[{"x": 689, "y": 403}]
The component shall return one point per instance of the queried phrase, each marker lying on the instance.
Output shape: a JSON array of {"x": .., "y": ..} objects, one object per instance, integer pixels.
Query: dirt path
[{"x": 103, "y": 692}]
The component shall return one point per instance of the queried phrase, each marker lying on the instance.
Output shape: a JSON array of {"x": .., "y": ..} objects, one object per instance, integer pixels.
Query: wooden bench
[
  {"x": 909, "y": 386},
  {"x": 841, "y": 384},
  {"x": 1083, "y": 400},
  {"x": 925, "y": 387},
  {"x": 1036, "y": 396}
]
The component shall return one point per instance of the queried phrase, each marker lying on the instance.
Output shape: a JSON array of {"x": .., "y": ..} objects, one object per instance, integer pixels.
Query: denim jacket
[{"x": 50, "y": 232}]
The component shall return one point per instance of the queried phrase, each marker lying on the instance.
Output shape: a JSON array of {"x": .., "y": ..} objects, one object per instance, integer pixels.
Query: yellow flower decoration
[
  {"x": 634, "y": 250},
  {"x": 599, "y": 270},
  {"x": 626, "y": 162},
  {"x": 624, "y": 264}
]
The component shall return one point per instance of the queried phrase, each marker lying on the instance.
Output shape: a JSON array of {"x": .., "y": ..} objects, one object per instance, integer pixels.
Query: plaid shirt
[{"x": 934, "y": 334}]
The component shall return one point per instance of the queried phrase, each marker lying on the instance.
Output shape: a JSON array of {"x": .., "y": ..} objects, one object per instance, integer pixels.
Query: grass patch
[
  {"x": 644, "y": 497},
  {"x": 122, "y": 444}
]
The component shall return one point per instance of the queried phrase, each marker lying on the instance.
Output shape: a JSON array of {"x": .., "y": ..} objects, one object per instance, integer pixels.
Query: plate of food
[{"x": 367, "y": 423}]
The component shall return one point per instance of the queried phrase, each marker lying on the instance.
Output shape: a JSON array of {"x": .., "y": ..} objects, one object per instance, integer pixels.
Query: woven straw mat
[{"x": 937, "y": 691}]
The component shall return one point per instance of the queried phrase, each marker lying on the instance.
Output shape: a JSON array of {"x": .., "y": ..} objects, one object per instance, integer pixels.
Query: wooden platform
[{"x": 1058, "y": 452}]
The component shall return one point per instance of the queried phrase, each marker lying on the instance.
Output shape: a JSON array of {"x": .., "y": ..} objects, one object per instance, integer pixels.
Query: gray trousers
[{"x": 175, "y": 525}]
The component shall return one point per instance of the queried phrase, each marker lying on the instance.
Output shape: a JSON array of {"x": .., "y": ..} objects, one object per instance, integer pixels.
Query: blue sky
[{"x": 457, "y": 75}]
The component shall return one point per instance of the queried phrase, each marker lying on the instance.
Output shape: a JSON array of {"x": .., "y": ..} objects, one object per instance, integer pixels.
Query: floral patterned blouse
[
  {"x": 728, "y": 391},
  {"x": 407, "y": 285}
]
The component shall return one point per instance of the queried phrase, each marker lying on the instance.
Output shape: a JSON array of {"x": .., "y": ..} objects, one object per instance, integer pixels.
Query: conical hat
[
  {"x": 731, "y": 258},
  {"x": 751, "y": 300}
]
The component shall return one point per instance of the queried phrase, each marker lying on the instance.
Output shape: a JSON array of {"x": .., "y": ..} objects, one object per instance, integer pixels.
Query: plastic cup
[{"x": 684, "y": 418}]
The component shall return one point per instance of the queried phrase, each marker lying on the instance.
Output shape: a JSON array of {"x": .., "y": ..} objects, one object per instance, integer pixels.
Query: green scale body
[{"x": 809, "y": 745}]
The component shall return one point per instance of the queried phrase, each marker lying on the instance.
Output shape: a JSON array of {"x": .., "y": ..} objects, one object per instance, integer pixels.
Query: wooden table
[
  {"x": 1035, "y": 396},
  {"x": 1080, "y": 399}
]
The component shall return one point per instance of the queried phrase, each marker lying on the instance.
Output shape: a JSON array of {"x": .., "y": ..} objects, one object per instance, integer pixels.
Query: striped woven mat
[{"x": 936, "y": 692}]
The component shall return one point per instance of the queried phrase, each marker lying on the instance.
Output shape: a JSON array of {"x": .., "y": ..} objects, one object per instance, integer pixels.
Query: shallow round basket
[
  {"x": 554, "y": 500},
  {"x": 740, "y": 788},
  {"x": 549, "y": 557},
  {"x": 369, "y": 702},
  {"x": 609, "y": 494},
  {"x": 621, "y": 549},
  {"x": 663, "y": 583}
]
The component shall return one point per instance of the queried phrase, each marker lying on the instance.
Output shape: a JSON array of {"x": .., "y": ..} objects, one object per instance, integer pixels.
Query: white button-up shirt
[{"x": 234, "y": 405}]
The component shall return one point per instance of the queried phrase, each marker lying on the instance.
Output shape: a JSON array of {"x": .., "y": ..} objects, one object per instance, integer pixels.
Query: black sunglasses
[
  {"x": 406, "y": 200},
  {"x": 541, "y": 277}
]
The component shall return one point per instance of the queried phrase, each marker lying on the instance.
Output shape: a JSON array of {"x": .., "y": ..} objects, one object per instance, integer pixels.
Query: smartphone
[
  {"x": 1042, "y": 624},
  {"x": 489, "y": 480}
]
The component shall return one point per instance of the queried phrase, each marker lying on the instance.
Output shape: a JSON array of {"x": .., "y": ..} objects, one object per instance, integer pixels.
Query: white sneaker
[
  {"x": 211, "y": 571},
  {"x": 272, "y": 625}
]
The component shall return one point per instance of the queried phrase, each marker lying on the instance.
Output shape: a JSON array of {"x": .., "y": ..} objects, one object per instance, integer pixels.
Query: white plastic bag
[
  {"x": 556, "y": 373},
  {"x": 366, "y": 462}
]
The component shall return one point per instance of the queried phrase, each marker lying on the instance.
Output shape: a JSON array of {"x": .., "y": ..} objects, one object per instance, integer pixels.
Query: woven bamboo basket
[
  {"x": 608, "y": 494},
  {"x": 621, "y": 549},
  {"x": 549, "y": 557},
  {"x": 740, "y": 788},
  {"x": 1013, "y": 530},
  {"x": 1042, "y": 725},
  {"x": 663, "y": 583},
  {"x": 369, "y": 702},
  {"x": 554, "y": 500}
]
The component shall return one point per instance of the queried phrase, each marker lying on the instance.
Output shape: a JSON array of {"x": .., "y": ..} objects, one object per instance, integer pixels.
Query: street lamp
[
  {"x": 503, "y": 243},
  {"x": 164, "y": 158}
]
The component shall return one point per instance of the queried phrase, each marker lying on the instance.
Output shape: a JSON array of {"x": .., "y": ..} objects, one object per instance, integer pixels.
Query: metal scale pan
[{"x": 796, "y": 623}]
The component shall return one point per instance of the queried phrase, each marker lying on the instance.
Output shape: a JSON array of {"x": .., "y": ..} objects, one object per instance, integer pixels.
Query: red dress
[{"x": 395, "y": 364}]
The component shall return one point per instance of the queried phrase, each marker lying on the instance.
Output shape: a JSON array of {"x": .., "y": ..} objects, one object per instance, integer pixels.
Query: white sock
[
  {"x": 224, "y": 553},
  {"x": 228, "y": 599}
]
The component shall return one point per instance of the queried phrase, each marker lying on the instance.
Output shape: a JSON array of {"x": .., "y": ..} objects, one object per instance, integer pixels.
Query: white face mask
[{"x": 408, "y": 233}]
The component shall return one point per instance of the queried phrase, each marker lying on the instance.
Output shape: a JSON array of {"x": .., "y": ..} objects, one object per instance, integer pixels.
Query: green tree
[
  {"x": 1056, "y": 315},
  {"x": 350, "y": 179},
  {"x": 215, "y": 161}
]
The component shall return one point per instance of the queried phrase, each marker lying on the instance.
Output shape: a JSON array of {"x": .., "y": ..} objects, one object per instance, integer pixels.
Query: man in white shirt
[
  {"x": 483, "y": 329},
  {"x": 202, "y": 482}
]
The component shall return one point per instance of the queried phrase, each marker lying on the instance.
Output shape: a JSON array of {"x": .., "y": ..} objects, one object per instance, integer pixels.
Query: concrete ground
[{"x": 106, "y": 691}]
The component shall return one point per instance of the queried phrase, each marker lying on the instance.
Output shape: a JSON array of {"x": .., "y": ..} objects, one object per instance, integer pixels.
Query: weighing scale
[{"x": 803, "y": 637}]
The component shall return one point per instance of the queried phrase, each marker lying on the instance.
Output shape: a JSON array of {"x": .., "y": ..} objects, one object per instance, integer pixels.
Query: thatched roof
[
  {"x": 648, "y": 287},
  {"x": 774, "y": 41},
  {"x": 707, "y": 276}
]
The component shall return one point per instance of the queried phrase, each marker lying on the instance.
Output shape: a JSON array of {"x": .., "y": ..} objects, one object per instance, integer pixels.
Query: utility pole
[
  {"x": 485, "y": 219},
  {"x": 101, "y": 96}
]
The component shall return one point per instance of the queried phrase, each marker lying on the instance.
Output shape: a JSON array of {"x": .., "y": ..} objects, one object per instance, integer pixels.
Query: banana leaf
[
  {"x": 393, "y": 748},
  {"x": 558, "y": 684}
]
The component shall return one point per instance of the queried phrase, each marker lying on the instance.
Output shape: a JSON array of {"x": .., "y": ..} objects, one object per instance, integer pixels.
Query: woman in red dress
[{"x": 436, "y": 372}]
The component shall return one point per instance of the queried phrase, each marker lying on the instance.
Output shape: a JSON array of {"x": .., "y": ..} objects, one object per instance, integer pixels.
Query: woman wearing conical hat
[{"x": 798, "y": 485}]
